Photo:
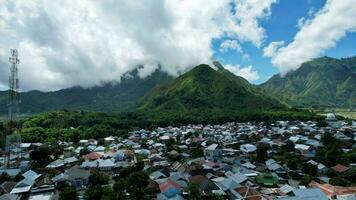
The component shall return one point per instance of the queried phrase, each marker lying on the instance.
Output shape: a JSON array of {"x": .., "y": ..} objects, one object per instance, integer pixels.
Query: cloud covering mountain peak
[{"x": 67, "y": 43}]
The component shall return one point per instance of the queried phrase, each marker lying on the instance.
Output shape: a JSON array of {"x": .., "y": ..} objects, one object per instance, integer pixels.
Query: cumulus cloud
[
  {"x": 316, "y": 35},
  {"x": 246, "y": 72},
  {"x": 66, "y": 43},
  {"x": 230, "y": 45},
  {"x": 247, "y": 13},
  {"x": 271, "y": 49}
]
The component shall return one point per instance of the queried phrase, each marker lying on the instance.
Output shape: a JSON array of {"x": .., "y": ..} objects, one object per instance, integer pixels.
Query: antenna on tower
[
  {"x": 14, "y": 95},
  {"x": 12, "y": 137}
]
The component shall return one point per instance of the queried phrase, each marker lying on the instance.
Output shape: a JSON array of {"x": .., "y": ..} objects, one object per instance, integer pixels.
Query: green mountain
[
  {"x": 110, "y": 97},
  {"x": 205, "y": 90},
  {"x": 322, "y": 82}
]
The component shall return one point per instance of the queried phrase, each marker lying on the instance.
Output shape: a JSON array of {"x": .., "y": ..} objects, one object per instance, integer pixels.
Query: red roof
[
  {"x": 93, "y": 156},
  {"x": 197, "y": 179},
  {"x": 246, "y": 191},
  {"x": 164, "y": 186},
  {"x": 340, "y": 168}
]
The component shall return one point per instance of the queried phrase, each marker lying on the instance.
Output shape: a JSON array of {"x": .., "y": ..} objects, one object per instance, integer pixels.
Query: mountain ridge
[
  {"x": 322, "y": 82},
  {"x": 204, "y": 88}
]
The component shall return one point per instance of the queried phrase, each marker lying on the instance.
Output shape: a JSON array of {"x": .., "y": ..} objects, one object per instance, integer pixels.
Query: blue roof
[
  {"x": 314, "y": 193},
  {"x": 171, "y": 192}
]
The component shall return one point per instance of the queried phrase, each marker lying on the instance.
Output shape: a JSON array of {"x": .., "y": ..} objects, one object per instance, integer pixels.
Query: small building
[
  {"x": 213, "y": 153},
  {"x": 248, "y": 148},
  {"x": 267, "y": 179},
  {"x": 78, "y": 177}
]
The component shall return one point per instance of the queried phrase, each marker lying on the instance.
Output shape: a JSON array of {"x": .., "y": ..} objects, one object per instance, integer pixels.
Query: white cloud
[
  {"x": 66, "y": 43},
  {"x": 227, "y": 45},
  {"x": 246, "y": 57},
  {"x": 246, "y": 72},
  {"x": 3, "y": 87},
  {"x": 247, "y": 14},
  {"x": 316, "y": 35},
  {"x": 271, "y": 49}
]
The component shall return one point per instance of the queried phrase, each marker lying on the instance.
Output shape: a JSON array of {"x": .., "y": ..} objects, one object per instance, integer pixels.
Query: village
[{"x": 253, "y": 161}]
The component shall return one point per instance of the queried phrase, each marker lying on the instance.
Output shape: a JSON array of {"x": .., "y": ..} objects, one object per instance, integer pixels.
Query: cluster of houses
[{"x": 218, "y": 159}]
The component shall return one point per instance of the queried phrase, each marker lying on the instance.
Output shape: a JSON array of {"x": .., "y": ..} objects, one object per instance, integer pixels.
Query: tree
[
  {"x": 136, "y": 182},
  {"x": 97, "y": 178},
  {"x": 327, "y": 139},
  {"x": 84, "y": 151},
  {"x": 305, "y": 180},
  {"x": 41, "y": 156},
  {"x": 261, "y": 152},
  {"x": 310, "y": 169},
  {"x": 212, "y": 196},
  {"x": 289, "y": 146},
  {"x": 292, "y": 164},
  {"x": 193, "y": 191},
  {"x": 68, "y": 193},
  {"x": 339, "y": 181},
  {"x": 4, "y": 177},
  {"x": 119, "y": 189},
  {"x": 93, "y": 193}
]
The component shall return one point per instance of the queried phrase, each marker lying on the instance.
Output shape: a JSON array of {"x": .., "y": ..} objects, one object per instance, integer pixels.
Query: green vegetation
[
  {"x": 193, "y": 191},
  {"x": 346, "y": 113},
  {"x": 203, "y": 89},
  {"x": 110, "y": 97},
  {"x": 323, "y": 82},
  {"x": 75, "y": 125}
]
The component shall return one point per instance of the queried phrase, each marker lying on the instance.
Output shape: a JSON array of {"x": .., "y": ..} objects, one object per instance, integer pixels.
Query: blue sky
[{"x": 281, "y": 25}]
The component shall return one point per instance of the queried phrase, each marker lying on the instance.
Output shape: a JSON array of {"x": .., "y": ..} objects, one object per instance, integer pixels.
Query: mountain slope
[
  {"x": 323, "y": 82},
  {"x": 204, "y": 89},
  {"x": 110, "y": 97}
]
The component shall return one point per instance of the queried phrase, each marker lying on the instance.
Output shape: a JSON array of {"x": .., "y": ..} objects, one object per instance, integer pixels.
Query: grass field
[
  {"x": 341, "y": 112},
  {"x": 348, "y": 114}
]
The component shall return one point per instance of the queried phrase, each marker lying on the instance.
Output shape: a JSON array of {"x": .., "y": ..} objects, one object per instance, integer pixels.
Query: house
[
  {"x": 171, "y": 194},
  {"x": 205, "y": 185},
  {"x": 70, "y": 160},
  {"x": 10, "y": 172},
  {"x": 42, "y": 196},
  {"x": 31, "y": 175},
  {"x": 78, "y": 177},
  {"x": 106, "y": 165},
  {"x": 310, "y": 193},
  {"x": 225, "y": 184},
  {"x": 157, "y": 175},
  {"x": 246, "y": 192},
  {"x": 267, "y": 179},
  {"x": 60, "y": 178},
  {"x": 272, "y": 165},
  {"x": 321, "y": 168},
  {"x": 23, "y": 186},
  {"x": 10, "y": 197},
  {"x": 213, "y": 153},
  {"x": 249, "y": 165},
  {"x": 6, "y": 187},
  {"x": 285, "y": 189},
  {"x": 56, "y": 164},
  {"x": 169, "y": 183},
  {"x": 339, "y": 168},
  {"x": 93, "y": 156},
  {"x": 236, "y": 177},
  {"x": 248, "y": 148},
  {"x": 89, "y": 164}
]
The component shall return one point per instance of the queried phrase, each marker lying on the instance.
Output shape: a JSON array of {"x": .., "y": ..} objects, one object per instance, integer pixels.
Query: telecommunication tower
[
  {"x": 14, "y": 93},
  {"x": 12, "y": 137}
]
